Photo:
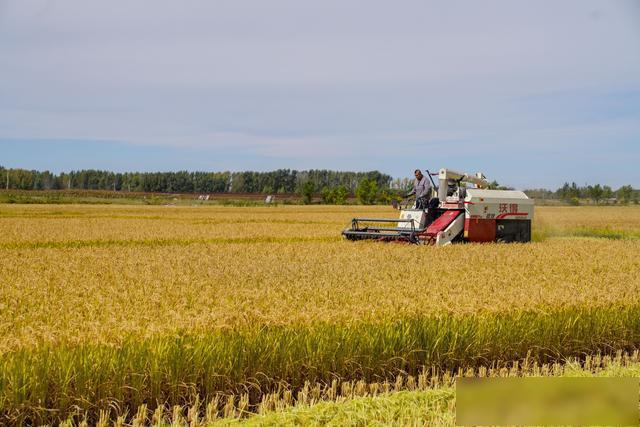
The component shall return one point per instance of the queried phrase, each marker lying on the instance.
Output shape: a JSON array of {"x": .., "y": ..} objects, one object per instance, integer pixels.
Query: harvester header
[{"x": 454, "y": 213}]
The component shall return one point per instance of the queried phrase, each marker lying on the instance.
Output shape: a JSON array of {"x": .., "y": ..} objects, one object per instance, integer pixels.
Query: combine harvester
[{"x": 455, "y": 214}]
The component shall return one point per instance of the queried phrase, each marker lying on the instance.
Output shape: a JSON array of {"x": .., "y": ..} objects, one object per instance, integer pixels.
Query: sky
[{"x": 532, "y": 94}]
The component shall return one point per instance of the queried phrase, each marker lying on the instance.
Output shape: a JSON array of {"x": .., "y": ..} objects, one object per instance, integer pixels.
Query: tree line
[
  {"x": 278, "y": 181},
  {"x": 334, "y": 187},
  {"x": 573, "y": 193}
]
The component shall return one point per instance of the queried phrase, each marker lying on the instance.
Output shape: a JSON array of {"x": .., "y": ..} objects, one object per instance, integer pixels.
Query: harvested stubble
[{"x": 165, "y": 307}]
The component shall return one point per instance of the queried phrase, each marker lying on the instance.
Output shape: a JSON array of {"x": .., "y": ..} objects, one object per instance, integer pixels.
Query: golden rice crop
[
  {"x": 42, "y": 224},
  {"x": 144, "y": 304},
  {"x": 588, "y": 221},
  {"x": 426, "y": 399},
  {"x": 104, "y": 293}
]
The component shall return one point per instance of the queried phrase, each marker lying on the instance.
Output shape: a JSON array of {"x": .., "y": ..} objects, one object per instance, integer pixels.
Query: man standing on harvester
[{"x": 422, "y": 190}]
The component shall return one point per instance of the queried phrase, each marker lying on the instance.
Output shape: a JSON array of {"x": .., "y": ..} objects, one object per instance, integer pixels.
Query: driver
[{"x": 422, "y": 190}]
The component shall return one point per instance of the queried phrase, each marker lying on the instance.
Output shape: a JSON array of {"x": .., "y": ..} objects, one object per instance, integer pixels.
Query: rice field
[
  {"x": 417, "y": 401},
  {"x": 108, "y": 309}
]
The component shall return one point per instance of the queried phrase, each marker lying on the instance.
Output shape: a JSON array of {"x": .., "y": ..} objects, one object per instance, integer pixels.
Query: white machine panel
[
  {"x": 497, "y": 204},
  {"x": 418, "y": 216}
]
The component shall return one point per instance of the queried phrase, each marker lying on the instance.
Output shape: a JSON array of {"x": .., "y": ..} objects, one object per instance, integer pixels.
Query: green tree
[
  {"x": 340, "y": 195},
  {"x": 574, "y": 191},
  {"x": 307, "y": 192},
  {"x": 595, "y": 193},
  {"x": 328, "y": 195},
  {"x": 493, "y": 185},
  {"x": 334, "y": 195},
  {"x": 625, "y": 193},
  {"x": 367, "y": 191}
]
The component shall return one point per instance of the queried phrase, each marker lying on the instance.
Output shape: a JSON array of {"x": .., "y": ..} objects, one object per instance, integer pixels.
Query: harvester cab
[{"x": 454, "y": 213}]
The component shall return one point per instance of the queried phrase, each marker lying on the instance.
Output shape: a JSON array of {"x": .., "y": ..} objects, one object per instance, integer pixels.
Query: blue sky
[{"x": 531, "y": 93}]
